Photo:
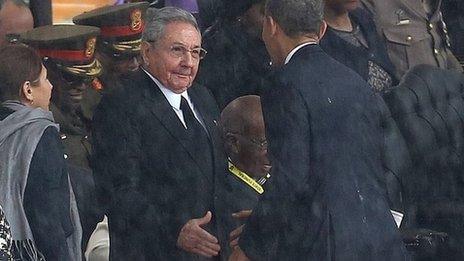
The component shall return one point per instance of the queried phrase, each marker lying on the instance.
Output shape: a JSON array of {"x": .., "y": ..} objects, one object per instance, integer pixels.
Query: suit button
[
  {"x": 430, "y": 25},
  {"x": 436, "y": 51},
  {"x": 409, "y": 38}
]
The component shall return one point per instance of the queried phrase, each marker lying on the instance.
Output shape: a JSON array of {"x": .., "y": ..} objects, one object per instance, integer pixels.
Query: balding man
[
  {"x": 242, "y": 127},
  {"x": 326, "y": 199},
  {"x": 15, "y": 18}
]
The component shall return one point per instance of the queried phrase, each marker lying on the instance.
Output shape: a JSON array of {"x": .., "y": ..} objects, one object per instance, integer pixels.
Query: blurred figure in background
[
  {"x": 352, "y": 39},
  {"x": 35, "y": 191},
  {"x": 453, "y": 14},
  {"x": 414, "y": 32},
  {"x": 118, "y": 47},
  {"x": 15, "y": 18},
  {"x": 68, "y": 53},
  {"x": 242, "y": 127},
  {"x": 237, "y": 63}
]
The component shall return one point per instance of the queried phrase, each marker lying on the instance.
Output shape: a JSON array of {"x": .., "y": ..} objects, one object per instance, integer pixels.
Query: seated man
[{"x": 246, "y": 146}]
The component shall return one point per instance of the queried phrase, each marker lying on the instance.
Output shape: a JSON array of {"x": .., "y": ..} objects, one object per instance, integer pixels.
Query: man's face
[
  {"x": 342, "y": 5},
  {"x": 252, "y": 150},
  {"x": 70, "y": 89},
  {"x": 269, "y": 41},
  {"x": 118, "y": 66},
  {"x": 14, "y": 20},
  {"x": 174, "y": 69}
]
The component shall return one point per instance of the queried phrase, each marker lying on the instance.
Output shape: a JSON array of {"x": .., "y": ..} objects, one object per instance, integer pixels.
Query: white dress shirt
[
  {"x": 294, "y": 50},
  {"x": 174, "y": 100}
]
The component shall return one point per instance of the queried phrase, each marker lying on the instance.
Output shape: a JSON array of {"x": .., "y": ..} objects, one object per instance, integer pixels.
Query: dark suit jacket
[
  {"x": 326, "y": 199},
  {"x": 151, "y": 180}
]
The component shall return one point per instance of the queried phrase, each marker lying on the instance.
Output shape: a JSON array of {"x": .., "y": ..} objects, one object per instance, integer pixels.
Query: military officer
[
  {"x": 414, "y": 32},
  {"x": 68, "y": 52},
  {"x": 118, "y": 46}
]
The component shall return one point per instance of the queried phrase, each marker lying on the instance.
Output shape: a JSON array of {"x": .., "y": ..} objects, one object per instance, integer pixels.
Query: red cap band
[
  {"x": 68, "y": 55},
  {"x": 113, "y": 31}
]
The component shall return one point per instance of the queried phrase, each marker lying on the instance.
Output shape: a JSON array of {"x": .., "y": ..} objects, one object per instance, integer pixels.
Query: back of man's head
[
  {"x": 15, "y": 18},
  {"x": 297, "y": 17}
]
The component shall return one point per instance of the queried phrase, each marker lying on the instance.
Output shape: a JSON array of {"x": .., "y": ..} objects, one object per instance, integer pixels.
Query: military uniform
[
  {"x": 414, "y": 32},
  {"x": 68, "y": 54},
  {"x": 121, "y": 36}
]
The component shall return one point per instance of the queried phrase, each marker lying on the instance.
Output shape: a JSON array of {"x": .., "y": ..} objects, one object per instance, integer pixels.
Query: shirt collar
[
  {"x": 173, "y": 98},
  {"x": 290, "y": 55}
]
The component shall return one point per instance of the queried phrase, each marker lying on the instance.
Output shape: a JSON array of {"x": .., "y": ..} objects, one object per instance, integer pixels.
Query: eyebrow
[{"x": 179, "y": 43}]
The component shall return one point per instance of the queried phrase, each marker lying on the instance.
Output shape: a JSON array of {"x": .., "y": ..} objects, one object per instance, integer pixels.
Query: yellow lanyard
[{"x": 245, "y": 178}]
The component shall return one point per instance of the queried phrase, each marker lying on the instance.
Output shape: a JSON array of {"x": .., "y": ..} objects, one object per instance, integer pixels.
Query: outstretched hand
[{"x": 194, "y": 239}]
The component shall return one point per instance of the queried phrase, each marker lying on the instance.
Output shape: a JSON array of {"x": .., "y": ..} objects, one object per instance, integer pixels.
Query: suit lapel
[
  {"x": 161, "y": 108},
  {"x": 210, "y": 124}
]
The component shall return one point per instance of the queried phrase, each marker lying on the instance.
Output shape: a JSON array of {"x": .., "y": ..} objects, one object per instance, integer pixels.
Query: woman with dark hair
[
  {"x": 351, "y": 38},
  {"x": 34, "y": 186}
]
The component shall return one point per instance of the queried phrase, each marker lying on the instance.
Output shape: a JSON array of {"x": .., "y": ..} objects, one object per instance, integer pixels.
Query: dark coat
[
  {"x": 235, "y": 64},
  {"x": 236, "y": 196},
  {"x": 326, "y": 199},
  {"x": 357, "y": 58},
  {"x": 149, "y": 176},
  {"x": 46, "y": 196}
]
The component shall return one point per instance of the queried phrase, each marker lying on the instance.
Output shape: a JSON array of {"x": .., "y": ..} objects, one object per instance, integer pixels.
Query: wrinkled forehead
[{"x": 181, "y": 33}]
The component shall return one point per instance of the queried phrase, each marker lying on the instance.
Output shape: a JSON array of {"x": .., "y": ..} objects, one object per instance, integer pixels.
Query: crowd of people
[{"x": 207, "y": 130}]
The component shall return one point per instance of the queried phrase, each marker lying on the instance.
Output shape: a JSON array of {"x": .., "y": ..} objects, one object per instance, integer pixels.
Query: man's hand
[
  {"x": 194, "y": 239},
  {"x": 234, "y": 236},
  {"x": 244, "y": 214},
  {"x": 238, "y": 255}
]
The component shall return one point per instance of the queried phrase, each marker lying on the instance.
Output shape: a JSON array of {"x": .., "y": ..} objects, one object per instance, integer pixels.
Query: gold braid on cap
[
  {"x": 128, "y": 45},
  {"x": 89, "y": 70}
]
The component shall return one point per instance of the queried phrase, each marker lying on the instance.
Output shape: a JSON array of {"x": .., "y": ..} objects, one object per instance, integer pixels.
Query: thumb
[{"x": 206, "y": 219}]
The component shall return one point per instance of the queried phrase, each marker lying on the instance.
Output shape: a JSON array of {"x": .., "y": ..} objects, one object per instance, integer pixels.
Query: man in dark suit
[
  {"x": 326, "y": 199},
  {"x": 158, "y": 159}
]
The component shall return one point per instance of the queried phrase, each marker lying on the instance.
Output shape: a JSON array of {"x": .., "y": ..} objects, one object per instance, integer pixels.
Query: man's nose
[{"x": 188, "y": 59}]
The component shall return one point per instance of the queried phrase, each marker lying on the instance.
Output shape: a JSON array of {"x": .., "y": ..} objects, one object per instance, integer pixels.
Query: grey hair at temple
[
  {"x": 157, "y": 19},
  {"x": 296, "y": 17}
]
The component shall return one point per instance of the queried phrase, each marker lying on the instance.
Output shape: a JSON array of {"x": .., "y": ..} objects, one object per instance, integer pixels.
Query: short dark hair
[
  {"x": 18, "y": 64},
  {"x": 296, "y": 17}
]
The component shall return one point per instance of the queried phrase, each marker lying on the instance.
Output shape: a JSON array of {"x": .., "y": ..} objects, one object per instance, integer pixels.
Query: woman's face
[{"x": 41, "y": 91}]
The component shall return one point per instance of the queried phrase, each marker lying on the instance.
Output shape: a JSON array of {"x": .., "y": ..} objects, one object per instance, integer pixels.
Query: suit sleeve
[
  {"x": 117, "y": 173},
  {"x": 46, "y": 198},
  {"x": 288, "y": 132}
]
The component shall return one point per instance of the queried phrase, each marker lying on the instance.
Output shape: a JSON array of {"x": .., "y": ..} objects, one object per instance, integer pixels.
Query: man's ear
[
  {"x": 144, "y": 52},
  {"x": 27, "y": 92},
  {"x": 273, "y": 26},
  {"x": 322, "y": 29}
]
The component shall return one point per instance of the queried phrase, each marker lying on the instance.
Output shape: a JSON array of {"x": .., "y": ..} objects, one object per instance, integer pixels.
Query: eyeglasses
[
  {"x": 180, "y": 51},
  {"x": 71, "y": 79}
]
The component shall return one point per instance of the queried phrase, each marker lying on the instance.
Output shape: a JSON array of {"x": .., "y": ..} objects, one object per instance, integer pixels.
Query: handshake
[{"x": 195, "y": 239}]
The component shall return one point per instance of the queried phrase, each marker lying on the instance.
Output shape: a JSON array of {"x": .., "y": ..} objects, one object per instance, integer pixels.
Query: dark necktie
[
  {"x": 202, "y": 145},
  {"x": 193, "y": 125}
]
